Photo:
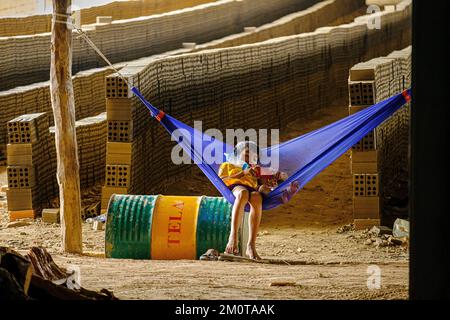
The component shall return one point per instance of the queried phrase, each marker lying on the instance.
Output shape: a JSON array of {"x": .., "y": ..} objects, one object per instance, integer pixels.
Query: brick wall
[
  {"x": 26, "y": 59},
  {"x": 380, "y": 160},
  {"x": 263, "y": 85}
]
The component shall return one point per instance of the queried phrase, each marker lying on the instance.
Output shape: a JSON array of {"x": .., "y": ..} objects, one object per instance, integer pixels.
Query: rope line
[
  {"x": 100, "y": 53},
  {"x": 89, "y": 42}
]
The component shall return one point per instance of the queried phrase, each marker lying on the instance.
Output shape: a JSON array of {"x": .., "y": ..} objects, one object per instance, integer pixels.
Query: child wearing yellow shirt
[{"x": 242, "y": 179}]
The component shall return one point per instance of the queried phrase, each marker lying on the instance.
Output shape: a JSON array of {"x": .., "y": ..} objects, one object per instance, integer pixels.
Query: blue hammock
[{"x": 301, "y": 158}]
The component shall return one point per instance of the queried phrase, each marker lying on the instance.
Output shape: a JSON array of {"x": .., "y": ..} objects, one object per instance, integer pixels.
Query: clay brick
[
  {"x": 107, "y": 192},
  {"x": 19, "y": 154},
  {"x": 366, "y": 207},
  {"x": 19, "y": 199},
  {"x": 22, "y": 214},
  {"x": 359, "y": 185},
  {"x": 362, "y": 224},
  {"x": 364, "y": 167},
  {"x": 20, "y": 177},
  {"x": 365, "y": 156},
  {"x": 372, "y": 185},
  {"x": 51, "y": 215}
]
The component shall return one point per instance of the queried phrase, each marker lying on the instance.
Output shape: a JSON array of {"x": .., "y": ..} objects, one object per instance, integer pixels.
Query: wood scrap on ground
[
  {"x": 283, "y": 284},
  {"x": 36, "y": 276},
  {"x": 233, "y": 258}
]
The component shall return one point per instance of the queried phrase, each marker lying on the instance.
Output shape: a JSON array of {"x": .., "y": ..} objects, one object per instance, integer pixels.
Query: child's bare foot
[
  {"x": 232, "y": 247},
  {"x": 251, "y": 253},
  {"x": 287, "y": 194}
]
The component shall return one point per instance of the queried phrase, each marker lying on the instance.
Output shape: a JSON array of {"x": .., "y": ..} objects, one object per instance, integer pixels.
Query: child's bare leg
[
  {"x": 242, "y": 196},
  {"x": 254, "y": 222}
]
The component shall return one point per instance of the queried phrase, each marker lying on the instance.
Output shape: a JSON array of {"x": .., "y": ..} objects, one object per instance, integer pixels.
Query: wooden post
[{"x": 65, "y": 135}]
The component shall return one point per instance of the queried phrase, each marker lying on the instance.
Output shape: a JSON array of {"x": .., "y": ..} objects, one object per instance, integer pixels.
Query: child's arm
[
  {"x": 233, "y": 176},
  {"x": 225, "y": 173}
]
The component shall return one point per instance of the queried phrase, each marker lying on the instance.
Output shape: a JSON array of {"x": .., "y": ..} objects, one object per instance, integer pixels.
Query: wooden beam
[{"x": 65, "y": 135}]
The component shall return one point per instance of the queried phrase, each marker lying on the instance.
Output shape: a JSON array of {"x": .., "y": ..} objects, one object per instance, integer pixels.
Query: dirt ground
[{"x": 304, "y": 229}]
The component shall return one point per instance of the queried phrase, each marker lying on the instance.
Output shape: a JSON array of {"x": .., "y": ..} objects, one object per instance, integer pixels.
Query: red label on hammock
[
  {"x": 406, "y": 96},
  {"x": 160, "y": 115}
]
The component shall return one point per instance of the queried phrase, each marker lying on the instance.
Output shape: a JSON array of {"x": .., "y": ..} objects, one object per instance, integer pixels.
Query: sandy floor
[{"x": 304, "y": 229}]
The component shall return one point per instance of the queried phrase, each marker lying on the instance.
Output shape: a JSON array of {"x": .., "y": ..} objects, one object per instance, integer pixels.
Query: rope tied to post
[{"x": 70, "y": 21}]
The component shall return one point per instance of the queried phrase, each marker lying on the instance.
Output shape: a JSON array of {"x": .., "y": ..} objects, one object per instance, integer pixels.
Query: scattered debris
[
  {"x": 37, "y": 277},
  {"x": 321, "y": 275},
  {"x": 300, "y": 250},
  {"x": 91, "y": 210},
  {"x": 90, "y": 199},
  {"x": 282, "y": 284},
  {"x": 346, "y": 228},
  {"x": 401, "y": 228},
  {"x": 380, "y": 237},
  {"x": 380, "y": 230},
  {"x": 100, "y": 218},
  {"x": 399, "y": 241},
  {"x": 380, "y": 243},
  {"x": 97, "y": 225},
  {"x": 210, "y": 255},
  {"x": 319, "y": 188}
]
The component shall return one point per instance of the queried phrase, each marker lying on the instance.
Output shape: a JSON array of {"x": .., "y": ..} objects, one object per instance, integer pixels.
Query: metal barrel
[
  {"x": 213, "y": 224},
  {"x": 168, "y": 227},
  {"x": 129, "y": 226}
]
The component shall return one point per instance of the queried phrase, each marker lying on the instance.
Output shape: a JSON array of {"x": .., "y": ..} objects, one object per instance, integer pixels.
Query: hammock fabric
[{"x": 301, "y": 158}]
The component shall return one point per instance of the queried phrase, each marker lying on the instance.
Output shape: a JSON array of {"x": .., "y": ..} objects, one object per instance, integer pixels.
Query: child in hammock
[{"x": 242, "y": 175}]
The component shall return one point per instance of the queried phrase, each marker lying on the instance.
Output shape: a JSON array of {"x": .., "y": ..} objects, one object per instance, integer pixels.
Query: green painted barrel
[
  {"x": 213, "y": 224},
  {"x": 168, "y": 227},
  {"x": 129, "y": 226}
]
